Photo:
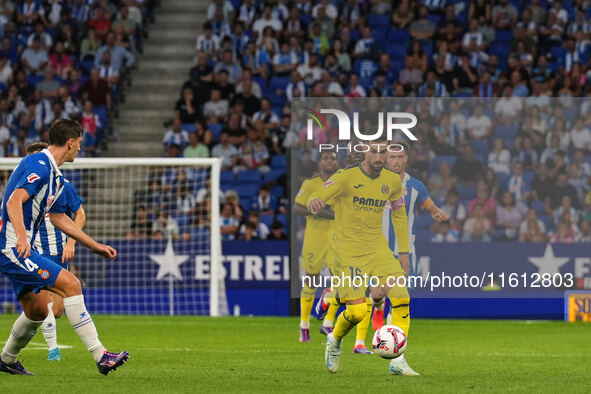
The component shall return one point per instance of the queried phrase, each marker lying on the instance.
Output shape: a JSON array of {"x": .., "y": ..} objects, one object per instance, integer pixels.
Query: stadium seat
[
  {"x": 423, "y": 221},
  {"x": 399, "y": 36},
  {"x": 378, "y": 21},
  {"x": 247, "y": 191},
  {"x": 466, "y": 192},
  {"x": 396, "y": 50},
  {"x": 278, "y": 83},
  {"x": 548, "y": 222},
  {"x": 509, "y": 143},
  {"x": 434, "y": 165},
  {"x": 277, "y": 191},
  {"x": 558, "y": 53},
  {"x": 528, "y": 177},
  {"x": 200, "y": 233},
  {"x": 504, "y": 36},
  {"x": 283, "y": 220},
  {"x": 189, "y": 127},
  {"x": 216, "y": 130},
  {"x": 379, "y": 35},
  {"x": 273, "y": 175},
  {"x": 278, "y": 162},
  {"x": 249, "y": 177},
  {"x": 481, "y": 158},
  {"x": 267, "y": 219},
  {"x": 538, "y": 206},
  {"x": 500, "y": 49},
  {"x": 246, "y": 203},
  {"x": 480, "y": 146},
  {"x": 226, "y": 176},
  {"x": 225, "y": 186},
  {"x": 435, "y": 18},
  {"x": 506, "y": 131},
  {"x": 503, "y": 180}
]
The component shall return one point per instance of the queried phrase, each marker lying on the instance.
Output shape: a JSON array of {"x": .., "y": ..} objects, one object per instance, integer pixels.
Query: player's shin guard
[
  {"x": 349, "y": 319},
  {"x": 48, "y": 328},
  {"x": 363, "y": 324},
  {"x": 401, "y": 313},
  {"x": 83, "y": 325},
  {"x": 23, "y": 330},
  {"x": 306, "y": 302}
]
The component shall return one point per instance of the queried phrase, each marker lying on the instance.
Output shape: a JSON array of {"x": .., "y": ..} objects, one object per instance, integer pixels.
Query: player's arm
[
  {"x": 66, "y": 225},
  {"x": 14, "y": 207},
  {"x": 400, "y": 224},
  {"x": 69, "y": 249},
  {"x": 436, "y": 212},
  {"x": 299, "y": 207},
  {"x": 329, "y": 190}
]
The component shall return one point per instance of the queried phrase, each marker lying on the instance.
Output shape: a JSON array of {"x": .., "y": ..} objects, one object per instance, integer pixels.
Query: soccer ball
[{"x": 389, "y": 341}]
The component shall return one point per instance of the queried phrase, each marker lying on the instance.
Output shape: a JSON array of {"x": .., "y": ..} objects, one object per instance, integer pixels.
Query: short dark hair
[
  {"x": 36, "y": 147},
  {"x": 404, "y": 146},
  {"x": 62, "y": 130}
]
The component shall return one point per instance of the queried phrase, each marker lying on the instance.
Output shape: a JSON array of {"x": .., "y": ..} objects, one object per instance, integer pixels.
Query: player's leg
[
  {"x": 49, "y": 329},
  {"x": 328, "y": 305},
  {"x": 331, "y": 313},
  {"x": 69, "y": 287},
  {"x": 306, "y": 301},
  {"x": 377, "y": 318},
  {"x": 312, "y": 262},
  {"x": 361, "y": 328},
  {"x": 400, "y": 311},
  {"x": 24, "y": 328},
  {"x": 399, "y": 365}
]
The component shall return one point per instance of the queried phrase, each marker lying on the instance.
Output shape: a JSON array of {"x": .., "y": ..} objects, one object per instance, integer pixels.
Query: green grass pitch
[{"x": 201, "y": 354}]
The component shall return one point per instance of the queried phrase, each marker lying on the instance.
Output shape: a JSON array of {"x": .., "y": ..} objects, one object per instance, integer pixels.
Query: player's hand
[
  {"x": 68, "y": 253},
  {"x": 316, "y": 205},
  {"x": 23, "y": 247},
  {"x": 106, "y": 251},
  {"x": 440, "y": 216},
  {"x": 405, "y": 263}
]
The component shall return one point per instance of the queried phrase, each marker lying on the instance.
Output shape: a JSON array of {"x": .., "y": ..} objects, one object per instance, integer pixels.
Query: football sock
[
  {"x": 401, "y": 313},
  {"x": 330, "y": 314},
  {"x": 23, "y": 330},
  {"x": 349, "y": 319},
  {"x": 48, "y": 328},
  {"x": 363, "y": 324},
  {"x": 306, "y": 301},
  {"x": 83, "y": 325},
  {"x": 379, "y": 305}
]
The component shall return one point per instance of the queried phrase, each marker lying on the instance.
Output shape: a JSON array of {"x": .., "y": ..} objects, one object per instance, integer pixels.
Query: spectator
[
  {"x": 216, "y": 108},
  {"x": 504, "y": 15},
  {"x": 564, "y": 234},
  {"x": 580, "y": 136},
  {"x": 585, "y": 234},
  {"x": 231, "y": 197},
  {"x": 264, "y": 203},
  {"x": 456, "y": 210},
  {"x": 484, "y": 199},
  {"x": 261, "y": 231},
  {"x": 445, "y": 233},
  {"x": 448, "y": 136},
  {"x": 311, "y": 72},
  {"x": 532, "y": 229},
  {"x": 228, "y": 222},
  {"x": 97, "y": 90},
  {"x": 561, "y": 189},
  {"x": 528, "y": 157},
  {"x": 234, "y": 131},
  {"x": 60, "y": 62},
  {"x": 510, "y": 214},
  {"x": 440, "y": 183},
  {"x": 500, "y": 158},
  {"x": 508, "y": 107},
  {"x": 5, "y": 71},
  {"x": 165, "y": 227},
  {"x": 45, "y": 39},
  {"x": 18, "y": 144},
  {"x": 584, "y": 168},
  {"x": 467, "y": 169},
  {"x": 48, "y": 86},
  {"x": 121, "y": 58},
  {"x": 34, "y": 58},
  {"x": 269, "y": 119},
  {"x": 175, "y": 136},
  {"x": 517, "y": 185},
  {"x": 91, "y": 124},
  {"x": 4, "y": 139},
  {"x": 196, "y": 147},
  {"x": 227, "y": 63},
  {"x": 566, "y": 206},
  {"x": 186, "y": 108},
  {"x": 141, "y": 228},
  {"x": 479, "y": 125},
  {"x": 423, "y": 29},
  {"x": 247, "y": 98},
  {"x": 403, "y": 15},
  {"x": 254, "y": 155},
  {"x": 277, "y": 233},
  {"x": 100, "y": 23},
  {"x": 477, "y": 226},
  {"x": 249, "y": 232}
]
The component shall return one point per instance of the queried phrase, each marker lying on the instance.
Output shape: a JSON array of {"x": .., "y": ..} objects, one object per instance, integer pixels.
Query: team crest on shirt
[
  {"x": 32, "y": 178},
  {"x": 42, "y": 162},
  {"x": 44, "y": 274},
  {"x": 328, "y": 183},
  {"x": 385, "y": 189}
]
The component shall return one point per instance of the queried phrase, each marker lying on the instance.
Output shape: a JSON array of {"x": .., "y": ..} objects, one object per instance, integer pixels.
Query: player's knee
[
  {"x": 57, "y": 313},
  {"x": 72, "y": 286},
  {"x": 356, "y": 313},
  {"x": 36, "y": 311}
]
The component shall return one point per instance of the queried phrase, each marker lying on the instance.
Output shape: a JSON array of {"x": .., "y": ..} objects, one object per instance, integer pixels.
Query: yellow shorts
[
  {"x": 313, "y": 260},
  {"x": 381, "y": 265}
]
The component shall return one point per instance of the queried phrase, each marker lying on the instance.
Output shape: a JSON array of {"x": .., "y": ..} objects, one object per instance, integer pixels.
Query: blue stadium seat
[
  {"x": 500, "y": 49},
  {"x": 506, "y": 131},
  {"x": 283, "y": 220},
  {"x": 226, "y": 176},
  {"x": 189, "y": 127},
  {"x": 267, "y": 219},
  {"x": 278, "y": 83},
  {"x": 216, "y": 130},
  {"x": 249, "y": 177},
  {"x": 101, "y": 112},
  {"x": 246, "y": 203},
  {"x": 278, "y": 162},
  {"x": 504, "y": 36},
  {"x": 480, "y": 146},
  {"x": 558, "y": 53},
  {"x": 538, "y": 206},
  {"x": 399, "y": 36},
  {"x": 434, "y": 165},
  {"x": 481, "y": 158},
  {"x": 273, "y": 175},
  {"x": 379, "y": 35},
  {"x": 548, "y": 222},
  {"x": 277, "y": 191},
  {"x": 509, "y": 143},
  {"x": 435, "y": 18},
  {"x": 460, "y": 94},
  {"x": 466, "y": 192},
  {"x": 396, "y": 50},
  {"x": 200, "y": 233},
  {"x": 423, "y": 221},
  {"x": 225, "y": 186},
  {"x": 378, "y": 20},
  {"x": 247, "y": 191},
  {"x": 503, "y": 180},
  {"x": 528, "y": 176}
]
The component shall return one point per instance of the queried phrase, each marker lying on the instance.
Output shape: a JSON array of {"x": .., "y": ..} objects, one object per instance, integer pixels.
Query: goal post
[{"x": 162, "y": 215}]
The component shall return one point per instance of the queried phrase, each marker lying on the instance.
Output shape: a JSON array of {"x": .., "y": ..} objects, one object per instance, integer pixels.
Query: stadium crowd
[
  {"x": 66, "y": 59},
  {"x": 512, "y": 168}
]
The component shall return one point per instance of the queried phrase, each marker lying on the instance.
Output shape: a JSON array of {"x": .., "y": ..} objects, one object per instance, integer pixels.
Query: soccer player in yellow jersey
[
  {"x": 317, "y": 249},
  {"x": 360, "y": 194}
]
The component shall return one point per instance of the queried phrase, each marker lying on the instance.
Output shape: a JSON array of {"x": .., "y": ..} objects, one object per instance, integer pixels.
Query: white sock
[
  {"x": 23, "y": 330},
  {"x": 83, "y": 325},
  {"x": 334, "y": 340},
  {"x": 379, "y": 305},
  {"x": 359, "y": 342},
  {"x": 48, "y": 328},
  {"x": 304, "y": 324},
  {"x": 389, "y": 318},
  {"x": 327, "y": 323}
]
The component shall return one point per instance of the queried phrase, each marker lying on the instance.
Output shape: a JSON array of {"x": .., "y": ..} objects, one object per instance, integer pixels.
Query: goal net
[{"x": 161, "y": 215}]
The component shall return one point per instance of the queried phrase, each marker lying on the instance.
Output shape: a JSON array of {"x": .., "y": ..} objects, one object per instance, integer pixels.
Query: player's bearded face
[{"x": 376, "y": 156}]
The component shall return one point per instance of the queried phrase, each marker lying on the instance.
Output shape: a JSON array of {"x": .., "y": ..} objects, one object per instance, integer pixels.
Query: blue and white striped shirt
[
  {"x": 50, "y": 240},
  {"x": 40, "y": 176}
]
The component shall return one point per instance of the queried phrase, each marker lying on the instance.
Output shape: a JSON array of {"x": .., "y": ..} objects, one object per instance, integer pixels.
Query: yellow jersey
[
  {"x": 358, "y": 202},
  {"x": 318, "y": 230}
]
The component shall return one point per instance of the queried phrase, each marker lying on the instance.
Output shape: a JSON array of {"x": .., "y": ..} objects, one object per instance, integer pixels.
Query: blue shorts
[
  {"x": 28, "y": 275},
  {"x": 57, "y": 260}
]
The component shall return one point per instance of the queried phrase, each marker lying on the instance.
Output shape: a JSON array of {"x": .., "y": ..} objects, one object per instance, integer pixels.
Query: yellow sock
[
  {"x": 401, "y": 313},
  {"x": 306, "y": 301},
  {"x": 363, "y": 325},
  {"x": 331, "y": 313},
  {"x": 349, "y": 319}
]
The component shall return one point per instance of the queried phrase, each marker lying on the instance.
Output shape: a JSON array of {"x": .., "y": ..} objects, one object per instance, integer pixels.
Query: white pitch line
[{"x": 40, "y": 346}]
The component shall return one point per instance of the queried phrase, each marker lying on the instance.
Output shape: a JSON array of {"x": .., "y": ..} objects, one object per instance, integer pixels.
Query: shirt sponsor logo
[{"x": 33, "y": 177}]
